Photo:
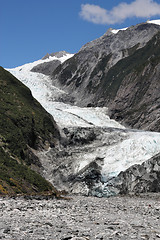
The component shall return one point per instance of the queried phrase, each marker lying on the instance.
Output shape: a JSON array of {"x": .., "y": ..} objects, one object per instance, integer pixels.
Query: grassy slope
[{"x": 23, "y": 124}]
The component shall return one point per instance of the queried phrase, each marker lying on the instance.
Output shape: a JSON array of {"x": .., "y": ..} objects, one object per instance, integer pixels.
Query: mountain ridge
[{"x": 90, "y": 72}]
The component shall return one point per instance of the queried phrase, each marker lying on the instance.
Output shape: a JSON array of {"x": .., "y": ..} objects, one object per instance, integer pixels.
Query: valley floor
[{"x": 81, "y": 218}]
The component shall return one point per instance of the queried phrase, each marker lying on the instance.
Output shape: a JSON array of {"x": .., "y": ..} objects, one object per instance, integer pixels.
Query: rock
[
  {"x": 79, "y": 238},
  {"x": 117, "y": 217},
  {"x": 105, "y": 73},
  {"x": 46, "y": 68},
  {"x": 6, "y": 230},
  {"x": 140, "y": 178},
  {"x": 66, "y": 238},
  {"x": 55, "y": 54}
]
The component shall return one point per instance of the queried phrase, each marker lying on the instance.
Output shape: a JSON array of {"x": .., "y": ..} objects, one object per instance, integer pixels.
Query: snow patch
[
  {"x": 115, "y": 31},
  {"x": 154, "y": 21}
]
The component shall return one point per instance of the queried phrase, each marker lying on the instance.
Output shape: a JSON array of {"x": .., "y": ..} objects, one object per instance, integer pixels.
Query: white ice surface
[
  {"x": 137, "y": 148},
  {"x": 64, "y": 114},
  {"x": 95, "y": 116}
]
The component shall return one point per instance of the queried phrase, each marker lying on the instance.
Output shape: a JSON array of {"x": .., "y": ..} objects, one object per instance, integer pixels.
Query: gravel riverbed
[{"x": 81, "y": 218}]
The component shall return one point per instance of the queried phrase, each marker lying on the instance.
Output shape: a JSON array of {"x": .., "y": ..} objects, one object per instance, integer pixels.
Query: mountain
[
  {"x": 25, "y": 127},
  {"x": 119, "y": 70},
  {"x": 97, "y": 154},
  {"x": 59, "y": 55},
  {"x": 50, "y": 62}
]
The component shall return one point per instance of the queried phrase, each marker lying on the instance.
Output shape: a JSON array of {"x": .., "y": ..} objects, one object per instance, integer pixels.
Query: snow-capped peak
[
  {"x": 54, "y": 56},
  {"x": 154, "y": 21},
  {"x": 115, "y": 31},
  {"x": 59, "y": 55}
]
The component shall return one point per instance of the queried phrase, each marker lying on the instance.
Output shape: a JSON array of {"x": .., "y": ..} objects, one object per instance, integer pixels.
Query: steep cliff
[{"x": 120, "y": 71}]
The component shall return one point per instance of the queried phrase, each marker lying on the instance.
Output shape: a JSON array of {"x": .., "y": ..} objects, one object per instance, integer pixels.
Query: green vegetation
[
  {"x": 24, "y": 124},
  {"x": 18, "y": 178}
]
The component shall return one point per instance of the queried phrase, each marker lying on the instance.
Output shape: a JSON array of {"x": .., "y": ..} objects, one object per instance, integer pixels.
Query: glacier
[{"x": 114, "y": 147}]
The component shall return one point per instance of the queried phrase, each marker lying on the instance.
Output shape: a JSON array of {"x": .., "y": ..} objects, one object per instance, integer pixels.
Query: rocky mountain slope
[
  {"x": 24, "y": 128},
  {"x": 120, "y": 71}
]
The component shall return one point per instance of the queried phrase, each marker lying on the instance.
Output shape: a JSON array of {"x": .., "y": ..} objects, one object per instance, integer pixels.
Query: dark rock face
[
  {"x": 79, "y": 136},
  {"x": 136, "y": 101},
  {"x": 120, "y": 71},
  {"x": 90, "y": 175},
  {"x": 141, "y": 178},
  {"x": 46, "y": 68}
]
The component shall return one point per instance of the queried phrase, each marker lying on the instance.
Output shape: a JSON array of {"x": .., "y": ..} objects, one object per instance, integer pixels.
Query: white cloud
[{"x": 138, "y": 8}]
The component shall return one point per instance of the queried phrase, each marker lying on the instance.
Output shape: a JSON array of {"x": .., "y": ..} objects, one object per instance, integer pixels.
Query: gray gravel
[{"x": 81, "y": 218}]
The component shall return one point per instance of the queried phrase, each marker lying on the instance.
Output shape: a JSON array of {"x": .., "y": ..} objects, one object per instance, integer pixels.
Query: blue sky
[{"x": 32, "y": 28}]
